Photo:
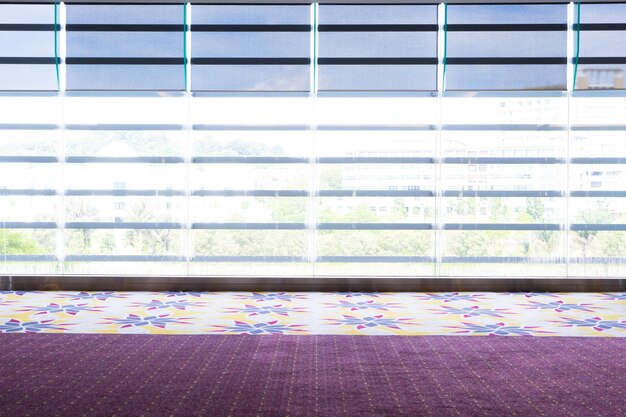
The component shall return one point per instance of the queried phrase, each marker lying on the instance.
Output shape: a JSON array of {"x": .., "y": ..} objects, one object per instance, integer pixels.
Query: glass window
[
  {"x": 125, "y": 47},
  {"x": 602, "y": 47},
  {"x": 375, "y": 175},
  {"x": 250, "y": 48},
  {"x": 506, "y": 47},
  {"x": 391, "y": 47},
  {"x": 27, "y": 54}
]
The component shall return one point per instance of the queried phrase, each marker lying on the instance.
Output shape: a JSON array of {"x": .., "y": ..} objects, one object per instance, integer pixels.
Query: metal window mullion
[
  {"x": 569, "y": 90},
  {"x": 62, "y": 47},
  {"x": 313, "y": 166},
  {"x": 438, "y": 177},
  {"x": 62, "y": 145},
  {"x": 189, "y": 10},
  {"x": 188, "y": 147}
]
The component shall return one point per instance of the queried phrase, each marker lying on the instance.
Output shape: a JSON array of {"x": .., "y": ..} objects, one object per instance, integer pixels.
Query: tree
[
  {"x": 107, "y": 243},
  {"x": 288, "y": 209},
  {"x": 148, "y": 241},
  {"x": 81, "y": 210},
  {"x": 535, "y": 208},
  {"x": 598, "y": 215},
  {"x": 498, "y": 210},
  {"x": 544, "y": 241},
  {"x": 613, "y": 244},
  {"x": 330, "y": 178},
  {"x": 470, "y": 243},
  {"x": 238, "y": 147},
  {"x": 17, "y": 243},
  {"x": 463, "y": 206}
]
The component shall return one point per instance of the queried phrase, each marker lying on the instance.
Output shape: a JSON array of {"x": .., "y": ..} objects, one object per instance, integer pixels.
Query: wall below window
[{"x": 327, "y": 284}]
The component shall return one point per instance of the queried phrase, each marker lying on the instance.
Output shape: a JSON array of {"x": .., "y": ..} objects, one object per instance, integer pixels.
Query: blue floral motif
[
  {"x": 270, "y": 327},
  {"x": 614, "y": 297},
  {"x": 497, "y": 329},
  {"x": 451, "y": 296},
  {"x": 71, "y": 309},
  {"x": 473, "y": 311},
  {"x": 185, "y": 294},
  {"x": 594, "y": 322},
  {"x": 273, "y": 296},
  {"x": 557, "y": 306},
  {"x": 100, "y": 296},
  {"x": 17, "y": 326},
  {"x": 18, "y": 293},
  {"x": 363, "y": 305},
  {"x": 133, "y": 320},
  {"x": 538, "y": 294},
  {"x": 359, "y": 294},
  {"x": 261, "y": 310},
  {"x": 177, "y": 304},
  {"x": 371, "y": 321}
]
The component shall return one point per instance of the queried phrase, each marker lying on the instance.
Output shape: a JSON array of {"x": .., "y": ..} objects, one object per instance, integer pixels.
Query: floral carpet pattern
[{"x": 501, "y": 314}]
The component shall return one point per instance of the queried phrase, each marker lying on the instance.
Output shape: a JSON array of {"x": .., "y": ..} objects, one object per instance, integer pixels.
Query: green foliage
[
  {"x": 463, "y": 206},
  {"x": 17, "y": 243},
  {"x": 470, "y": 243},
  {"x": 597, "y": 215},
  {"x": 80, "y": 210},
  {"x": 288, "y": 210},
  {"x": 250, "y": 243},
  {"x": 373, "y": 242},
  {"x": 613, "y": 244},
  {"x": 330, "y": 178},
  {"x": 498, "y": 209},
  {"x": 148, "y": 241},
  {"x": 360, "y": 214},
  {"x": 107, "y": 243},
  {"x": 236, "y": 147},
  {"x": 535, "y": 208}
]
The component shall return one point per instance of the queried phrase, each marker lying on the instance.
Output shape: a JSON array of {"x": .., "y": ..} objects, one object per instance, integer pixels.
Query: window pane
[
  {"x": 596, "y": 181},
  {"x": 503, "y": 179},
  {"x": 377, "y": 14},
  {"x": 506, "y": 44},
  {"x": 528, "y": 56},
  {"x": 27, "y": 54},
  {"x": 251, "y": 48},
  {"x": 114, "y": 57},
  {"x": 505, "y": 77},
  {"x": 602, "y": 49},
  {"x": 509, "y": 14},
  {"x": 378, "y": 47},
  {"x": 125, "y": 181},
  {"x": 30, "y": 140}
]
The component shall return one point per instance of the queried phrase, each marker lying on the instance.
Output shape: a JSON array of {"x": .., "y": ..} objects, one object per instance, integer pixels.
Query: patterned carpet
[
  {"x": 46, "y": 375},
  {"x": 503, "y": 314}
]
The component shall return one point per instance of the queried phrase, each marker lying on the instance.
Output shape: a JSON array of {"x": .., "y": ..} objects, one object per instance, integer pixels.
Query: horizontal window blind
[
  {"x": 125, "y": 47},
  {"x": 601, "y": 46},
  {"x": 506, "y": 47},
  {"x": 250, "y": 48},
  {"x": 377, "y": 47},
  {"x": 27, "y": 47}
]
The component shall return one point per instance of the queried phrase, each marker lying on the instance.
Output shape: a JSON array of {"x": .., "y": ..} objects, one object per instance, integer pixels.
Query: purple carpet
[{"x": 210, "y": 375}]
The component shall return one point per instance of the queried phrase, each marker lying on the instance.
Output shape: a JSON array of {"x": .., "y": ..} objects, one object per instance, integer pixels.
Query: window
[
  {"x": 27, "y": 53},
  {"x": 125, "y": 47},
  {"x": 390, "y": 47},
  {"x": 295, "y": 139},
  {"x": 506, "y": 47},
  {"x": 250, "y": 48},
  {"x": 602, "y": 48}
]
